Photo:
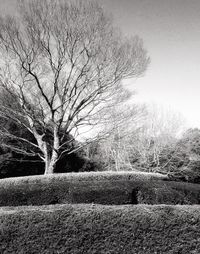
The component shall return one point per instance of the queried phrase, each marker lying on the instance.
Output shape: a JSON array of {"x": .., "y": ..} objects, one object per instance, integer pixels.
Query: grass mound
[
  {"x": 101, "y": 188},
  {"x": 100, "y": 229}
]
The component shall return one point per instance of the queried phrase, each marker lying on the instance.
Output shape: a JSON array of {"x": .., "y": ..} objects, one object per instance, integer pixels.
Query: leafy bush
[
  {"x": 76, "y": 229},
  {"x": 169, "y": 193},
  {"x": 100, "y": 188}
]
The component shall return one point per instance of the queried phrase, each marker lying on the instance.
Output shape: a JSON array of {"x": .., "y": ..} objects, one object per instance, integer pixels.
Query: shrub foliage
[
  {"x": 100, "y": 188},
  {"x": 100, "y": 229}
]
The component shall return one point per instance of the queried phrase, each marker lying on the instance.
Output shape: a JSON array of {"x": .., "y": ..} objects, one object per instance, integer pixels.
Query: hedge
[
  {"x": 100, "y": 188},
  {"x": 77, "y": 229}
]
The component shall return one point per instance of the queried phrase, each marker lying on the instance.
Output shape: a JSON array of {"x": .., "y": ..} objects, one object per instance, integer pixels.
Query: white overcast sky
[{"x": 171, "y": 33}]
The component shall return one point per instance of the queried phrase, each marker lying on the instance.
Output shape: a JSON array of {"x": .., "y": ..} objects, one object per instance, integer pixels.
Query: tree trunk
[
  {"x": 49, "y": 167},
  {"x": 50, "y": 162}
]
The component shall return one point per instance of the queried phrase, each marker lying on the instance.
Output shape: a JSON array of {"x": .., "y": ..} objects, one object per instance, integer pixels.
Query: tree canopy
[{"x": 63, "y": 63}]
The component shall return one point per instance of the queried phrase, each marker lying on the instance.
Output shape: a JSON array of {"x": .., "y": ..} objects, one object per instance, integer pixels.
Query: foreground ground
[
  {"x": 100, "y": 229},
  {"x": 107, "y": 188},
  {"x": 102, "y": 213}
]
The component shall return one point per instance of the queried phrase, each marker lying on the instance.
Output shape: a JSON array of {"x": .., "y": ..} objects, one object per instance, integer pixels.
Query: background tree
[
  {"x": 143, "y": 141},
  {"x": 63, "y": 62},
  {"x": 184, "y": 162},
  {"x": 161, "y": 129},
  {"x": 118, "y": 150}
]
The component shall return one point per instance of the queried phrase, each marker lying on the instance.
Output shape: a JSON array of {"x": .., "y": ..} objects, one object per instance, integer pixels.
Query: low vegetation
[
  {"x": 101, "y": 188},
  {"x": 63, "y": 108},
  {"x": 100, "y": 229}
]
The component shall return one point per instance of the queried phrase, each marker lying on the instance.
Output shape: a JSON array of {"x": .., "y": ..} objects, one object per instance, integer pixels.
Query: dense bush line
[
  {"x": 101, "y": 188},
  {"x": 100, "y": 229}
]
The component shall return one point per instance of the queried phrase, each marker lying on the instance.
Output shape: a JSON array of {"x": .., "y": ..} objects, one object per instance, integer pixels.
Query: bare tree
[
  {"x": 141, "y": 139},
  {"x": 62, "y": 61},
  {"x": 161, "y": 128},
  {"x": 117, "y": 151}
]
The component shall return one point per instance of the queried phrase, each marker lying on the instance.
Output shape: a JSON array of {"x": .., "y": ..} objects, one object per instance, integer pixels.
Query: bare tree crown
[{"x": 63, "y": 61}]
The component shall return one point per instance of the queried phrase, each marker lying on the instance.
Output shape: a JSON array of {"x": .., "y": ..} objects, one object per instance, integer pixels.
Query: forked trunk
[
  {"x": 50, "y": 159},
  {"x": 50, "y": 162},
  {"x": 49, "y": 167}
]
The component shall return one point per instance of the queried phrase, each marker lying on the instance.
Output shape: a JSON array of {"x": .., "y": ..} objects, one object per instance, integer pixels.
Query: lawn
[
  {"x": 100, "y": 229},
  {"x": 117, "y": 188},
  {"x": 105, "y": 212}
]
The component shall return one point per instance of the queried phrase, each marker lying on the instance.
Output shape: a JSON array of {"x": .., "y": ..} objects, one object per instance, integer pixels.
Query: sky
[{"x": 170, "y": 30}]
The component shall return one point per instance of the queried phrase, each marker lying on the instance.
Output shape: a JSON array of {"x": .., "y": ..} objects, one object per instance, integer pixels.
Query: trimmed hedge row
[
  {"x": 96, "y": 229},
  {"x": 88, "y": 176},
  {"x": 100, "y": 188}
]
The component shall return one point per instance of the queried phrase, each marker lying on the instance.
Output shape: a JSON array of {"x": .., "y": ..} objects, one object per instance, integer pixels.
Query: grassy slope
[
  {"x": 88, "y": 176},
  {"x": 101, "y": 188},
  {"x": 100, "y": 229}
]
